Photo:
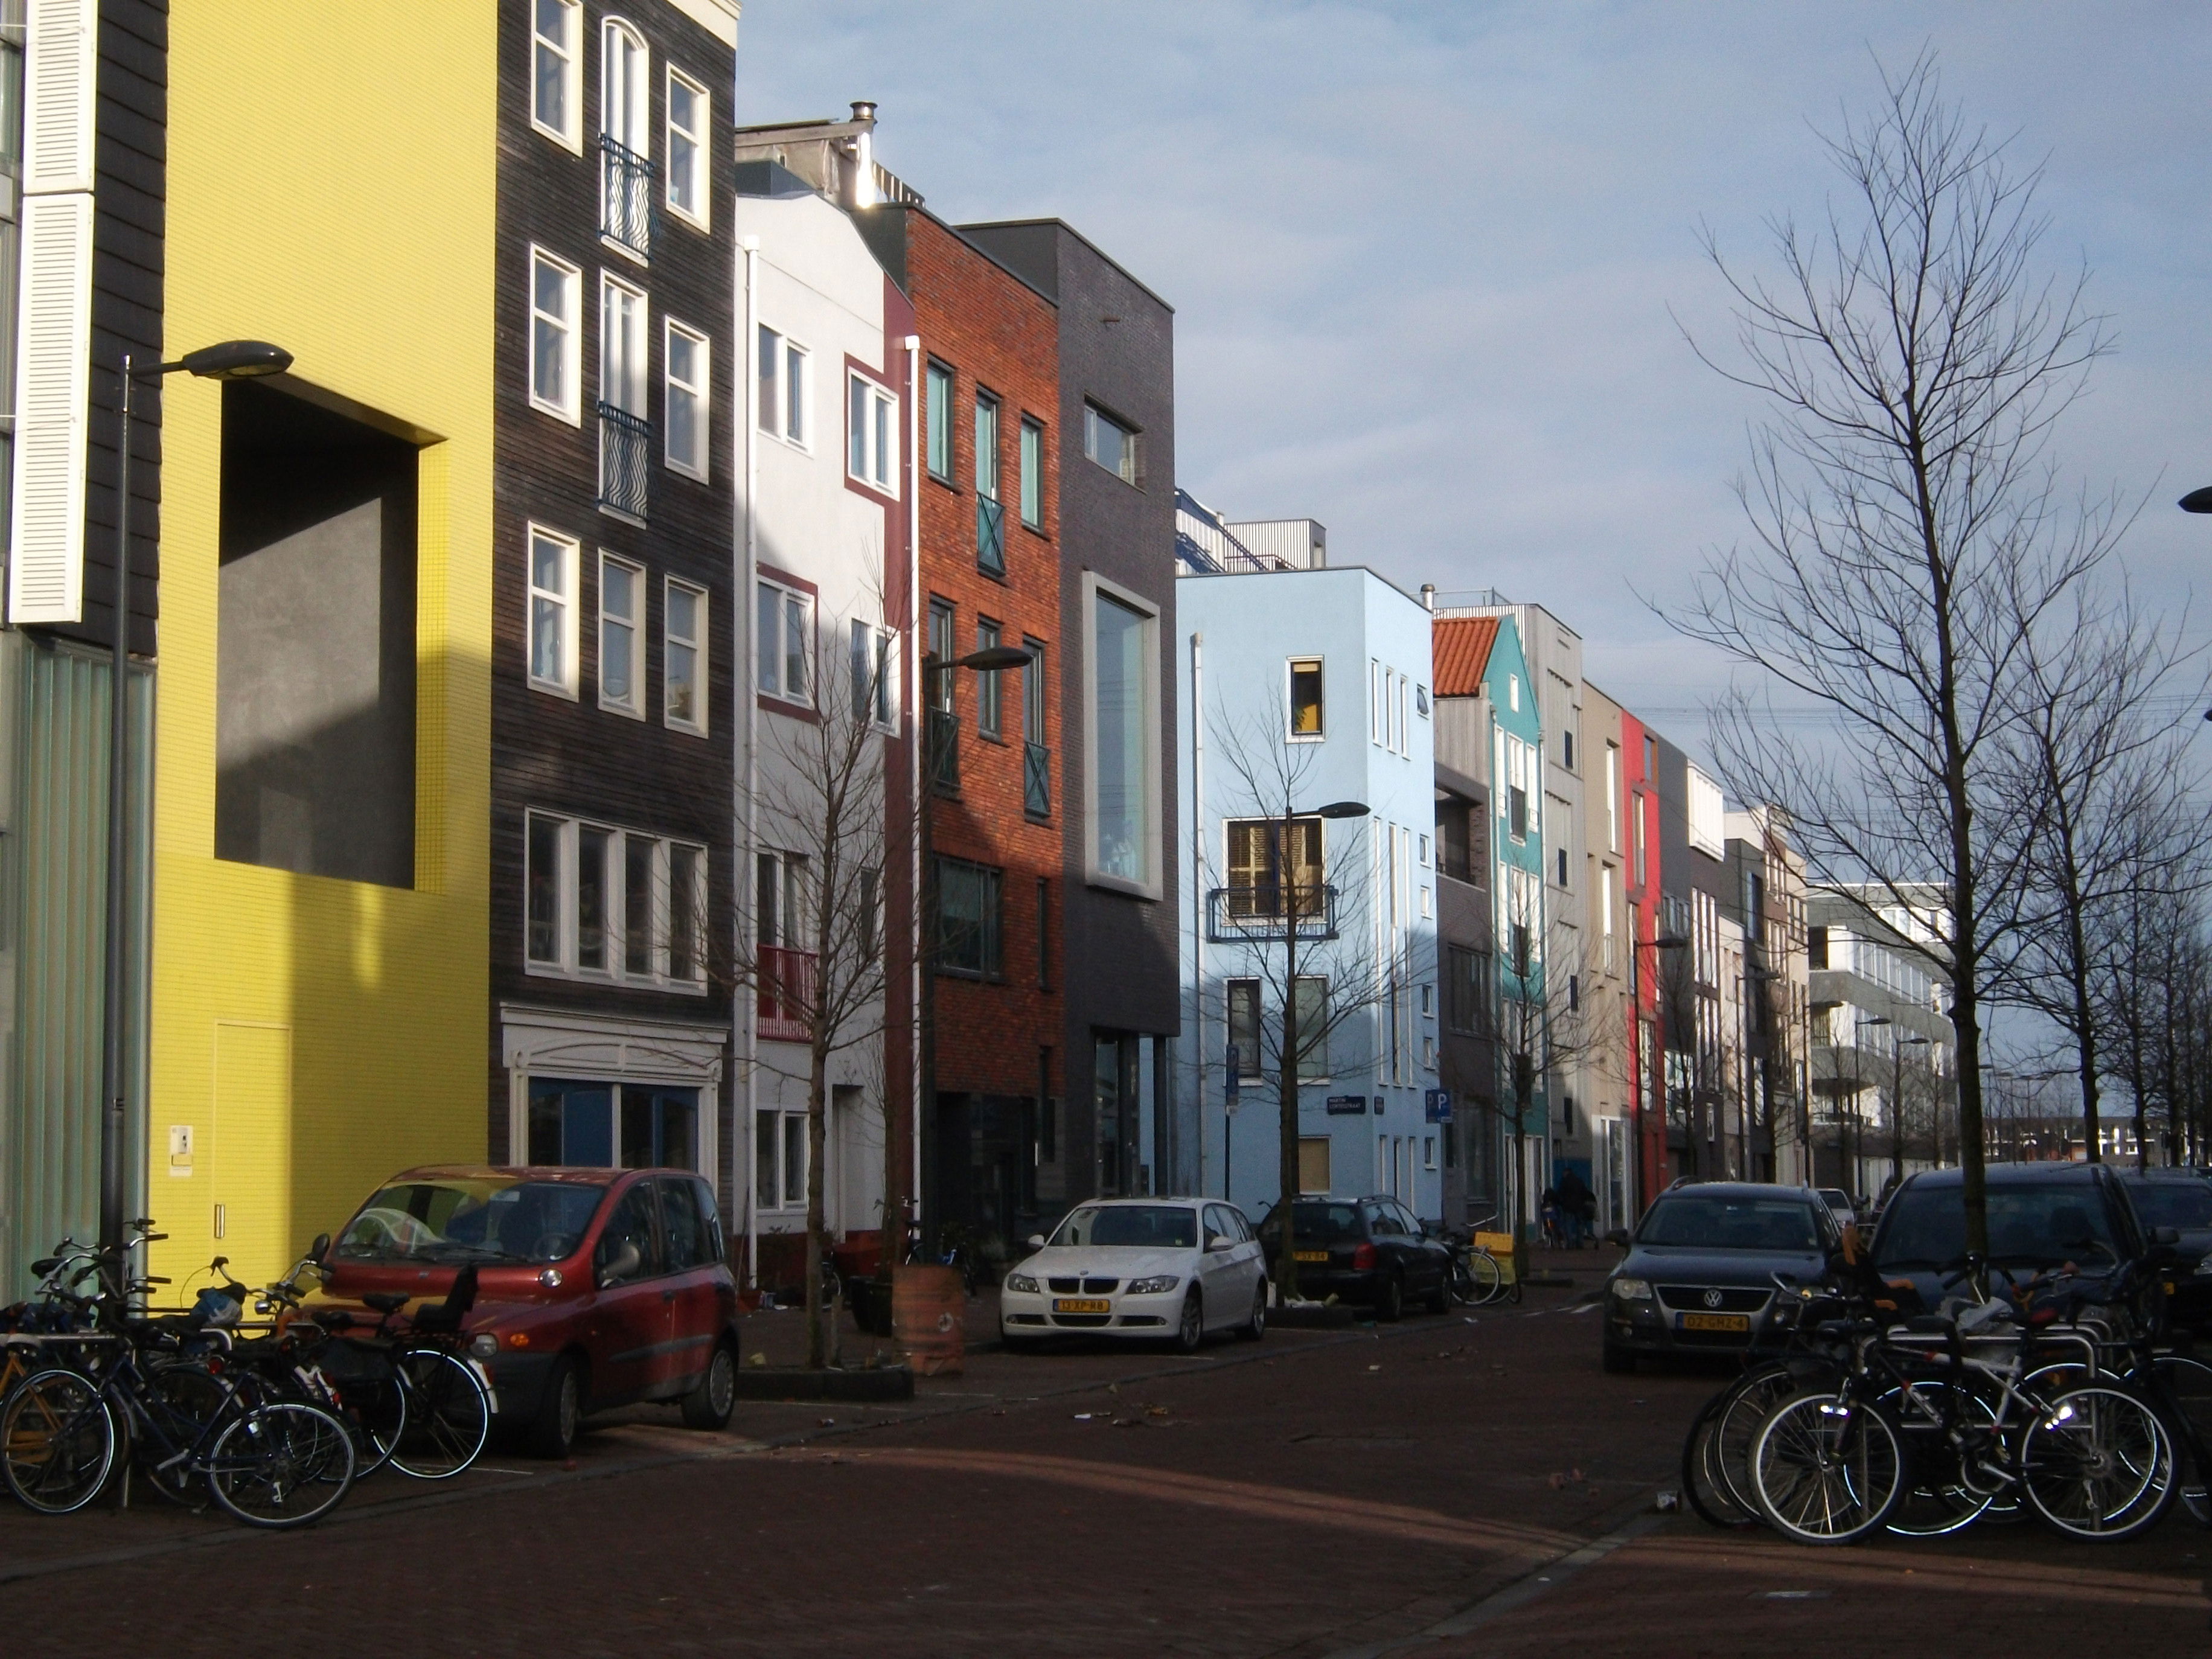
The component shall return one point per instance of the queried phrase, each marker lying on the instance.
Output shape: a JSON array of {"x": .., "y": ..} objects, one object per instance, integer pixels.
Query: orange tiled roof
[{"x": 1462, "y": 645}]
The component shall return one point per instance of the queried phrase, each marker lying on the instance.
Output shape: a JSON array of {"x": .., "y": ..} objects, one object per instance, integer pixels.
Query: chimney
[
  {"x": 1428, "y": 596},
  {"x": 864, "y": 154}
]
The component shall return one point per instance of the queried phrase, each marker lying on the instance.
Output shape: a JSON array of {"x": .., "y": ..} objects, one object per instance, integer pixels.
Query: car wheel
[
  {"x": 1190, "y": 1333},
  {"x": 1389, "y": 1299},
  {"x": 554, "y": 1432},
  {"x": 1440, "y": 1298},
  {"x": 1256, "y": 1327},
  {"x": 1618, "y": 1360},
  {"x": 708, "y": 1405}
]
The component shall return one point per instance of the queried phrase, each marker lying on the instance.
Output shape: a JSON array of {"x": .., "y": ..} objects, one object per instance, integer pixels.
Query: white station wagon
[{"x": 1175, "y": 1268}]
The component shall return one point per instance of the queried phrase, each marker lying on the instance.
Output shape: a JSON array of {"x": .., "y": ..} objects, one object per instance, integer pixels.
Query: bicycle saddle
[{"x": 386, "y": 1302}]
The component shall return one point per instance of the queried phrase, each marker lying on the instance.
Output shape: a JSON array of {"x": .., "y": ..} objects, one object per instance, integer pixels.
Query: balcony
[
  {"x": 625, "y": 197},
  {"x": 990, "y": 536},
  {"x": 1254, "y": 915},
  {"x": 1037, "y": 779},
  {"x": 786, "y": 983},
  {"x": 625, "y": 461},
  {"x": 943, "y": 757}
]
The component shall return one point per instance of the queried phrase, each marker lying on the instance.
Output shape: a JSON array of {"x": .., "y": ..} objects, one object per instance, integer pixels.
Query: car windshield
[
  {"x": 1158, "y": 1226},
  {"x": 1718, "y": 1221},
  {"x": 471, "y": 1219},
  {"x": 1836, "y": 1198},
  {"x": 2034, "y": 1226},
  {"x": 2173, "y": 1203},
  {"x": 1318, "y": 1224}
]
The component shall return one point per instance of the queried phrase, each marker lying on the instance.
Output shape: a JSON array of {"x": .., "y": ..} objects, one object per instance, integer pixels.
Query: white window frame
[
  {"x": 564, "y": 596},
  {"x": 1095, "y": 588},
  {"x": 565, "y": 965},
  {"x": 699, "y": 390},
  {"x": 569, "y": 405},
  {"x": 1291, "y": 733},
  {"x": 785, "y": 1120},
  {"x": 696, "y": 645},
  {"x": 793, "y": 367},
  {"x": 634, "y": 336},
  {"x": 780, "y": 692},
  {"x": 698, "y": 211},
  {"x": 633, "y": 101},
  {"x": 1374, "y": 701},
  {"x": 633, "y": 707},
  {"x": 570, "y": 135},
  {"x": 881, "y": 646},
  {"x": 875, "y": 407}
]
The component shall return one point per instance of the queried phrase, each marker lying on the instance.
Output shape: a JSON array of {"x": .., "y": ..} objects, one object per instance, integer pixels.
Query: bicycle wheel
[
  {"x": 1484, "y": 1281},
  {"x": 1512, "y": 1291},
  {"x": 1939, "y": 1498},
  {"x": 1701, "y": 1484},
  {"x": 181, "y": 1400},
  {"x": 282, "y": 1465},
  {"x": 2099, "y": 1464},
  {"x": 2186, "y": 1387},
  {"x": 448, "y": 1414},
  {"x": 1827, "y": 1470},
  {"x": 1745, "y": 1407},
  {"x": 57, "y": 1441}
]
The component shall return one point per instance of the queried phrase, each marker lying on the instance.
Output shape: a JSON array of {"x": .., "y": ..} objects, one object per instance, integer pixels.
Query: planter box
[{"x": 797, "y": 1383}]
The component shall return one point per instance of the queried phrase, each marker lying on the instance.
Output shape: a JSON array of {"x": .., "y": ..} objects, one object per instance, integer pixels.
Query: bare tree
[
  {"x": 817, "y": 967},
  {"x": 1298, "y": 914},
  {"x": 1908, "y": 532}
]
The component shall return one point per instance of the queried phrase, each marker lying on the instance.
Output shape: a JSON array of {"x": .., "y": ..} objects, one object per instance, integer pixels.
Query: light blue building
[{"x": 1303, "y": 687}]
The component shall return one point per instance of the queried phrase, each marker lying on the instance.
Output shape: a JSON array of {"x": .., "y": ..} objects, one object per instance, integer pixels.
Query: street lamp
[
  {"x": 1897, "y": 1106},
  {"x": 2197, "y": 500},
  {"x": 232, "y": 360},
  {"x": 1858, "y": 1118}
]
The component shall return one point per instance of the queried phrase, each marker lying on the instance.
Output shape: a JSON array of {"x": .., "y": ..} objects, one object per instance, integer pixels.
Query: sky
[{"x": 1432, "y": 266}]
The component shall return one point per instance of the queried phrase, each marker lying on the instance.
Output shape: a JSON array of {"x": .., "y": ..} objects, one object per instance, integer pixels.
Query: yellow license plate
[
  {"x": 1081, "y": 1304},
  {"x": 1310, "y": 1255},
  {"x": 1716, "y": 1321}
]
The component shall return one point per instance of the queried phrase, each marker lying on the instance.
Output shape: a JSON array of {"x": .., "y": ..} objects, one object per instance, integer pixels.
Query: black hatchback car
[
  {"x": 2181, "y": 1200},
  {"x": 1699, "y": 1274},
  {"x": 1367, "y": 1250},
  {"x": 2040, "y": 1216}
]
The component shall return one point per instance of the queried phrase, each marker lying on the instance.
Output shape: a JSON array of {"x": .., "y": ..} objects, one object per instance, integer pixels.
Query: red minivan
[{"x": 595, "y": 1287}]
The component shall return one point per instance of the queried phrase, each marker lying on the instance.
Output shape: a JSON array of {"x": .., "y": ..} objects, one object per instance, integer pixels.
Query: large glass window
[
  {"x": 1122, "y": 727},
  {"x": 787, "y": 643},
  {"x": 613, "y": 903},
  {"x": 622, "y": 346},
  {"x": 872, "y": 674},
  {"x": 1305, "y": 697},
  {"x": 782, "y": 371},
  {"x": 688, "y": 105},
  {"x": 990, "y": 693},
  {"x": 968, "y": 918},
  {"x": 1032, "y": 474},
  {"x": 683, "y": 657},
  {"x": 553, "y": 69},
  {"x": 684, "y": 398},
  {"x": 940, "y": 412},
  {"x": 621, "y": 596},
  {"x": 1242, "y": 998},
  {"x": 780, "y": 1160},
  {"x": 872, "y": 434},
  {"x": 552, "y": 646},
  {"x": 554, "y": 334},
  {"x": 1111, "y": 443}
]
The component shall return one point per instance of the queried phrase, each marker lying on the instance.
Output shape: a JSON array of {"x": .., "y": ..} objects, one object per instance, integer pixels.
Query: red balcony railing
[{"x": 787, "y": 994}]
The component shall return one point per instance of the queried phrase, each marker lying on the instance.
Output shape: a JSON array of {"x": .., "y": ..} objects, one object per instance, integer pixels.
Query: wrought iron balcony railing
[
  {"x": 625, "y": 195},
  {"x": 1037, "y": 779},
  {"x": 944, "y": 752},
  {"x": 786, "y": 984},
  {"x": 990, "y": 536},
  {"x": 625, "y": 461},
  {"x": 1273, "y": 911}
]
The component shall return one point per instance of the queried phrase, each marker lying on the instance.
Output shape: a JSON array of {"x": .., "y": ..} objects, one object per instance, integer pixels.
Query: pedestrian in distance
[
  {"x": 1577, "y": 1207},
  {"x": 1548, "y": 1210}
]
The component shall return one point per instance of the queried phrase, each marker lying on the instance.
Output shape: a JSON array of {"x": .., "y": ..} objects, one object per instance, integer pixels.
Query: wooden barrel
[{"x": 929, "y": 1311}]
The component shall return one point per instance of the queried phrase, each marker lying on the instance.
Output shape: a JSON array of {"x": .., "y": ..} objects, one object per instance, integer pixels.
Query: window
[
  {"x": 1044, "y": 933},
  {"x": 1374, "y": 683},
  {"x": 1428, "y": 1151},
  {"x": 622, "y": 346},
  {"x": 780, "y": 1160},
  {"x": 787, "y": 643},
  {"x": 872, "y": 914},
  {"x": 612, "y": 903},
  {"x": 552, "y": 612},
  {"x": 1427, "y": 995},
  {"x": 1563, "y": 865},
  {"x": 941, "y": 649},
  {"x": 621, "y": 596},
  {"x": 1032, "y": 474},
  {"x": 1521, "y": 785},
  {"x": 968, "y": 922},
  {"x": 1574, "y": 992},
  {"x": 1423, "y": 842},
  {"x": 683, "y": 658},
  {"x": 1123, "y": 670},
  {"x": 553, "y": 101},
  {"x": 990, "y": 696},
  {"x": 1613, "y": 798},
  {"x": 1513, "y": 692},
  {"x": 940, "y": 411},
  {"x": 685, "y": 400},
  {"x": 987, "y": 445},
  {"x": 1567, "y": 749},
  {"x": 872, "y": 674},
  {"x": 781, "y": 372},
  {"x": 779, "y": 901},
  {"x": 1463, "y": 990},
  {"x": 1605, "y": 917},
  {"x": 554, "y": 335},
  {"x": 1242, "y": 997},
  {"x": 872, "y": 434},
  {"x": 622, "y": 112},
  {"x": 687, "y": 106},
  {"x": 1112, "y": 445},
  {"x": 1036, "y": 756},
  {"x": 1421, "y": 700},
  {"x": 1305, "y": 697},
  {"x": 625, "y": 170},
  {"x": 1313, "y": 1164},
  {"x": 1256, "y": 880}
]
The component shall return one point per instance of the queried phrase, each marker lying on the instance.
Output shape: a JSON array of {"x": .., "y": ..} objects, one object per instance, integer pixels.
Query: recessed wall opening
[{"x": 315, "y": 641}]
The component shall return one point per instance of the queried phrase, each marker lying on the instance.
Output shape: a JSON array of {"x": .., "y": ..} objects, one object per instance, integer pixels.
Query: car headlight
[
  {"x": 1633, "y": 1289},
  {"x": 1021, "y": 1283},
  {"x": 1153, "y": 1286},
  {"x": 484, "y": 1345}
]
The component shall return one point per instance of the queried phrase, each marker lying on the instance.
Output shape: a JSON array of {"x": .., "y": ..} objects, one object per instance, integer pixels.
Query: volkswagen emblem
[{"x": 1712, "y": 1299}]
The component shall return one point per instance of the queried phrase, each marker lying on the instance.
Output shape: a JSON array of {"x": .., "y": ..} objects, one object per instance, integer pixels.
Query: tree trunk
[
  {"x": 1286, "y": 1092},
  {"x": 817, "y": 1084}
]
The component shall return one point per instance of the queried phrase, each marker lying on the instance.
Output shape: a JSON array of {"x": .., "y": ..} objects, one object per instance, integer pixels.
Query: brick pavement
[{"x": 1322, "y": 1495}]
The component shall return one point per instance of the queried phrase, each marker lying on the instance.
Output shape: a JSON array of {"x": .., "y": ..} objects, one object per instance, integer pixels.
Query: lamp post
[
  {"x": 1897, "y": 1106},
  {"x": 232, "y": 360},
  {"x": 1858, "y": 1118},
  {"x": 998, "y": 658}
]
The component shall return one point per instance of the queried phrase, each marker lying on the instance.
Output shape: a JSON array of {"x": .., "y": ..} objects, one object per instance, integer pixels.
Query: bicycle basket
[{"x": 346, "y": 1360}]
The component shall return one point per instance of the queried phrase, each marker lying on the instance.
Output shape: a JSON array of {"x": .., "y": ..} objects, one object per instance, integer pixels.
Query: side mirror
[
  {"x": 622, "y": 1264},
  {"x": 1619, "y": 1237},
  {"x": 319, "y": 1248},
  {"x": 1220, "y": 1242},
  {"x": 1036, "y": 1241}
]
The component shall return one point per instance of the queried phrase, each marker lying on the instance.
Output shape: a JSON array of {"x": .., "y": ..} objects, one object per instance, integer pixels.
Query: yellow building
[{"x": 319, "y": 982}]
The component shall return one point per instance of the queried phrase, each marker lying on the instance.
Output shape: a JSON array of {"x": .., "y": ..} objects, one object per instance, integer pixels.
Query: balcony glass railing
[
  {"x": 990, "y": 536},
  {"x": 786, "y": 984},
  {"x": 1037, "y": 779},
  {"x": 625, "y": 195},
  {"x": 625, "y": 461}
]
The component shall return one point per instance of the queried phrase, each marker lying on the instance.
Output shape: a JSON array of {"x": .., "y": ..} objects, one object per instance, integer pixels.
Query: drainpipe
[
  {"x": 746, "y": 1014},
  {"x": 1198, "y": 920},
  {"x": 918, "y": 714}
]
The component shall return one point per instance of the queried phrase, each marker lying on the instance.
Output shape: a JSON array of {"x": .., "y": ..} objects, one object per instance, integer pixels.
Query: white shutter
[
  {"x": 59, "y": 73},
  {"x": 46, "y": 570}
]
